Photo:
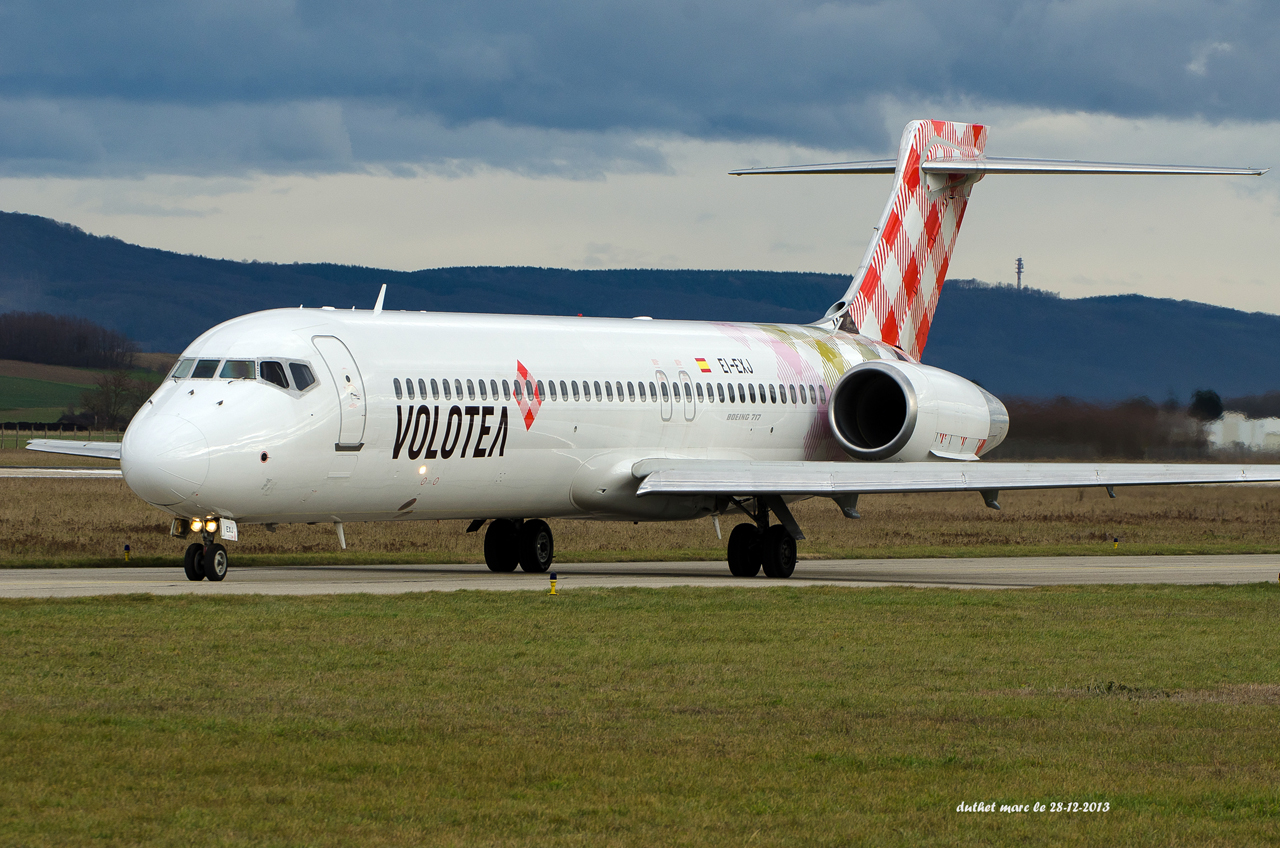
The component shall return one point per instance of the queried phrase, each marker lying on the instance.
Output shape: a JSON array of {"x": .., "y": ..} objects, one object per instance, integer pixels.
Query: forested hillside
[{"x": 1026, "y": 342}]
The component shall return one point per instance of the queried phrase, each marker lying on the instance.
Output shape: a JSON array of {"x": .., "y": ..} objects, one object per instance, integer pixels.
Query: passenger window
[
  {"x": 551, "y": 387},
  {"x": 516, "y": 389},
  {"x": 483, "y": 394},
  {"x": 303, "y": 379},
  {"x": 742, "y": 393},
  {"x": 447, "y": 396},
  {"x": 773, "y": 394},
  {"x": 653, "y": 392},
  {"x": 506, "y": 390},
  {"x": 395, "y": 383},
  {"x": 711, "y": 392},
  {"x": 574, "y": 384},
  {"x": 752, "y": 387},
  {"x": 493, "y": 387},
  {"x": 183, "y": 369},
  {"x": 642, "y": 397},
  {"x": 822, "y": 393},
  {"x": 618, "y": 386},
  {"x": 528, "y": 391},
  {"x": 731, "y": 397},
  {"x": 608, "y": 389},
  {"x": 793, "y": 394},
  {"x": 813, "y": 394},
  {"x": 408, "y": 388},
  {"x": 803, "y": 399},
  {"x": 457, "y": 389},
  {"x": 435, "y": 389},
  {"x": 599, "y": 396},
  {"x": 273, "y": 372},
  {"x": 237, "y": 369},
  {"x": 422, "y": 388},
  {"x": 762, "y": 392},
  {"x": 665, "y": 394},
  {"x": 205, "y": 369},
  {"x": 564, "y": 391},
  {"x": 542, "y": 392},
  {"x": 699, "y": 391},
  {"x": 720, "y": 391},
  {"x": 471, "y": 390},
  {"x": 631, "y": 391}
]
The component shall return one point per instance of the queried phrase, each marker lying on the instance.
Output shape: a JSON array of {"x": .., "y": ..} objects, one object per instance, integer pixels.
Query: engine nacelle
[{"x": 903, "y": 411}]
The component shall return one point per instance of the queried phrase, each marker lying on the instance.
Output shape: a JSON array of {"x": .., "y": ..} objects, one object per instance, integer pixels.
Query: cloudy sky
[{"x": 597, "y": 134}]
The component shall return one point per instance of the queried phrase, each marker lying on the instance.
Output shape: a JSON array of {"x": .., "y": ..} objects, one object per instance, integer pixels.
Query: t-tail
[{"x": 894, "y": 294}]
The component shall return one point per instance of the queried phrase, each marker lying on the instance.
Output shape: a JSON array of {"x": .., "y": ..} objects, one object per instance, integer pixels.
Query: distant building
[{"x": 1234, "y": 430}]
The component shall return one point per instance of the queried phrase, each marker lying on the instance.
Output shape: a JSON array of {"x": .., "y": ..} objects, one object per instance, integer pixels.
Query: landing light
[
  {"x": 196, "y": 524},
  {"x": 211, "y": 525},
  {"x": 422, "y": 469}
]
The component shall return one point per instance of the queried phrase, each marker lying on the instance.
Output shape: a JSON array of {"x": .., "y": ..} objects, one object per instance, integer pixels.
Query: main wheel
[
  {"x": 537, "y": 548},
  {"x": 191, "y": 561},
  {"x": 744, "y": 551},
  {"x": 778, "y": 552},
  {"x": 214, "y": 562},
  {"x": 500, "y": 545}
]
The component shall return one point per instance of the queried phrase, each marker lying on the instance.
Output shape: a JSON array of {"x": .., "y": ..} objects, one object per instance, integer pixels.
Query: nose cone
[{"x": 165, "y": 459}]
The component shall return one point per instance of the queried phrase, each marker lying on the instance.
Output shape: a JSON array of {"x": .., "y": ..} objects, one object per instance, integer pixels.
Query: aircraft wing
[
  {"x": 100, "y": 450},
  {"x": 746, "y": 478}
]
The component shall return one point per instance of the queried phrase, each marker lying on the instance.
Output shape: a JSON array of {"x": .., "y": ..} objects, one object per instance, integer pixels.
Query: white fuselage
[{"x": 363, "y": 443}]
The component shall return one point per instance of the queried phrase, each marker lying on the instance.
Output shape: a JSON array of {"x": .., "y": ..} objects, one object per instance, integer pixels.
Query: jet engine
[{"x": 904, "y": 411}]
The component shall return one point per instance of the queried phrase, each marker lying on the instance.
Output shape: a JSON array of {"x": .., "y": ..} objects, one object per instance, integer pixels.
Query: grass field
[
  {"x": 775, "y": 716},
  {"x": 22, "y": 392},
  {"x": 88, "y": 522}
]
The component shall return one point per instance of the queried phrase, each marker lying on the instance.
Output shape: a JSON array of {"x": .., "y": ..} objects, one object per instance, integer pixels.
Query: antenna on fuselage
[{"x": 377, "y": 307}]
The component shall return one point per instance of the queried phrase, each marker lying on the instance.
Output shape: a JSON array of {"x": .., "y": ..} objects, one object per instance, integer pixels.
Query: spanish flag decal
[{"x": 702, "y": 363}]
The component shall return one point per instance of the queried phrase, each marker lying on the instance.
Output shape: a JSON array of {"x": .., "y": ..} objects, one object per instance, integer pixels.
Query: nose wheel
[{"x": 205, "y": 560}]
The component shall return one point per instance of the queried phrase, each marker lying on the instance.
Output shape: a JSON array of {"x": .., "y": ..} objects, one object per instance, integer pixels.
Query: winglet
[{"x": 377, "y": 307}]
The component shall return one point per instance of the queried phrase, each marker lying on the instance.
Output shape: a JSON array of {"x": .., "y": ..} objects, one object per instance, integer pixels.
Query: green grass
[
  {"x": 643, "y": 717},
  {"x": 23, "y": 392}
]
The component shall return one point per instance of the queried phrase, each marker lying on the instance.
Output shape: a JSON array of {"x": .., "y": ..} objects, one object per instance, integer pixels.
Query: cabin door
[{"x": 350, "y": 391}]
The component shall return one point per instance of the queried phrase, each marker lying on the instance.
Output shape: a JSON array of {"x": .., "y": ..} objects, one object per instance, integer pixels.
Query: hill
[{"x": 1024, "y": 342}]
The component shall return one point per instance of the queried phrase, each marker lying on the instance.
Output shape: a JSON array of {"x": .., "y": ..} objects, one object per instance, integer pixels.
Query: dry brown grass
[
  {"x": 52, "y": 373},
  {"x": 84, "y": 520}
]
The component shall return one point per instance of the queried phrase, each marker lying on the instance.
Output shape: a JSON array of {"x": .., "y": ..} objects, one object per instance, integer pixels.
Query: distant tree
[
  {"x": 63, "y": 340},
  {"x": 116, "y": 399},
  {"x": 1205, "y": 405}
]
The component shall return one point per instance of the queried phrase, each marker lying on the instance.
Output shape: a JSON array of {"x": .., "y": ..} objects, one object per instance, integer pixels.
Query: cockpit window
[
  {"x": 302, "y": 378},
  {"x": 183, "y": 369},
  {"x": 273, "y": 372},
  {"x": 205, "y": 369},
  {"x": 237, "y": 369}
]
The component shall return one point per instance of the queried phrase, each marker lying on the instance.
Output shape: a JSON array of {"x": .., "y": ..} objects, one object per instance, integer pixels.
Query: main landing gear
[
  {"x": 759, "y": 545},
  {"x": 528, "y": 544}
]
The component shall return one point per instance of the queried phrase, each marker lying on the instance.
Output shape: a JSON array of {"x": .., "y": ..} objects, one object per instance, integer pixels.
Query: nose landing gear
[
  {"x": 759, "y": 545},
  {"x": 204, "y": 559}
]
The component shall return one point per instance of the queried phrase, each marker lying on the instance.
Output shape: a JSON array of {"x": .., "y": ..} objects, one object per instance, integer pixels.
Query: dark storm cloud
[{"x": 564, "y": 85}]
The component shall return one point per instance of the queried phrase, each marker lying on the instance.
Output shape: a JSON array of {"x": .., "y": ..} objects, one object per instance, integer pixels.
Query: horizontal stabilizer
[
  {"x": 100, "y": 450},
  {"x": 995, "y": 165},
  {"x": 741, "y": 477}
]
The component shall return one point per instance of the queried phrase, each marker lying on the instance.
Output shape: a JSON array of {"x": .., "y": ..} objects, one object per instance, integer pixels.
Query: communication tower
[{"x": 1019, "y": 267}]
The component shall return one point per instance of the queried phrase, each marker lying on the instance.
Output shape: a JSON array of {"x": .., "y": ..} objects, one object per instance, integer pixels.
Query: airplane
[{"x": 323, "y": 415}]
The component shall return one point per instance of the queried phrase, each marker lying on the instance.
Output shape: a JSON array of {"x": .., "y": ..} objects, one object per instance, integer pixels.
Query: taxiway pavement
[{"x": 968, "y": 573}]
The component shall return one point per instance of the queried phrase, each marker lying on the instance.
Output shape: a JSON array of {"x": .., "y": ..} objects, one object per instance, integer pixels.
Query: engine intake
[{"x": 901, "y": 410}]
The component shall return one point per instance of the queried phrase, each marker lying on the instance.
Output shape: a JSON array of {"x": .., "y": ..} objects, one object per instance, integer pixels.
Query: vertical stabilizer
[{"x": 895, "y": 292}]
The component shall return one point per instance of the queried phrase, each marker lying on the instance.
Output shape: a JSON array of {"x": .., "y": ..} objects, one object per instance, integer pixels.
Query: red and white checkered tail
[{"x": 895, "y": 292}]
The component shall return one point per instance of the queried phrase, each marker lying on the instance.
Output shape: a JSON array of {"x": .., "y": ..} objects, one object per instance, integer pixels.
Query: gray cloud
[{"x": 564, "y": 86}]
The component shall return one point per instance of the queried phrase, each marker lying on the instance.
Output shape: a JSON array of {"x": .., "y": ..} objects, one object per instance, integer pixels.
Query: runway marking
[
  {"x": 965, "y": 573},
  {"x": 59, "y": 472}
]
